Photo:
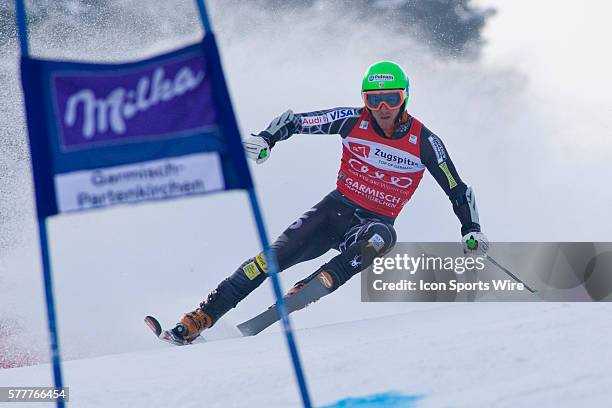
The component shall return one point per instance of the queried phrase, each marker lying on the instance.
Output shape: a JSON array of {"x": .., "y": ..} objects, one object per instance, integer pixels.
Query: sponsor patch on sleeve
[
  {"x": 251, "y": 270},
  {"x": 438, "y": 148},
  {"x": 451, "y": 180}
]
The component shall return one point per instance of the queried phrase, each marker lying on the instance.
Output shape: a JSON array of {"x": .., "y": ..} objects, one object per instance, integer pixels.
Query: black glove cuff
[
  {"x": 472, "y": 227},
  {"x": 267, "y": 137}
]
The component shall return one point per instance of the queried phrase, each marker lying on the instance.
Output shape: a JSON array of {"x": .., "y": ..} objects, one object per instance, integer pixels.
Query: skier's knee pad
[
  {"x": 362, "y": 244},
  {"x": 380, "y": 237}
]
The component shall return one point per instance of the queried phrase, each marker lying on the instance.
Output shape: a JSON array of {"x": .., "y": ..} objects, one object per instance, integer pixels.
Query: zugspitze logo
[{"x": 151, "y": 102}]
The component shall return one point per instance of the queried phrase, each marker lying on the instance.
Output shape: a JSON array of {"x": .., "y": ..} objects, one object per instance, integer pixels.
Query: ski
[
  {"x": 311, "y": 292},
  {"x": 153, "y": 324},
  {"x": 166, "y": 335}
]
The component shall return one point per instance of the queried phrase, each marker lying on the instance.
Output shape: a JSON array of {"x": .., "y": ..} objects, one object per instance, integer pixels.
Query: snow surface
[{"x": 453, "y": 355}]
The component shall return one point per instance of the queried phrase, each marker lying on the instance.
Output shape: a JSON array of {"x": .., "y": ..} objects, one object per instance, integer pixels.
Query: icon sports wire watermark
[{"x": 431, "y": 272}]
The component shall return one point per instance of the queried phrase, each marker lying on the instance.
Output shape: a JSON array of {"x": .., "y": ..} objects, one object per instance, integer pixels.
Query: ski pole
[{"x": 513, "y": 276}]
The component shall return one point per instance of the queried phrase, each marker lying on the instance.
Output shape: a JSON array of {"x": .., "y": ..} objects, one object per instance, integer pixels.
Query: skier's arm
[
  {"x": 437, "y": 160},
  {"x": 329, "y": 122},
  {"x": 336, "y": 121}
]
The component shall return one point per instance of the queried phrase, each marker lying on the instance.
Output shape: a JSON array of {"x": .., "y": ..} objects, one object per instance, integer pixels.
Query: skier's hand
[
  {"x": 256, "y": 148},
  {"x": 475, "y": 243}
]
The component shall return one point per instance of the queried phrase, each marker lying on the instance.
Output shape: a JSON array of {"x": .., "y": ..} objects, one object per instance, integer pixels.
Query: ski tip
[{"x": 153, "y": 325}]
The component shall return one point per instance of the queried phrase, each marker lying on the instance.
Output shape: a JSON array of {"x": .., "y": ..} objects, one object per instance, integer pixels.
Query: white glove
[
  {"x": 475, "y": 243},
  {"x": 256, "y": 148}
]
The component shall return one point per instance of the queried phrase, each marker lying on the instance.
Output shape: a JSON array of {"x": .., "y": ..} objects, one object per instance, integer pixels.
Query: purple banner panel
[{"x": 163, "y": 99}]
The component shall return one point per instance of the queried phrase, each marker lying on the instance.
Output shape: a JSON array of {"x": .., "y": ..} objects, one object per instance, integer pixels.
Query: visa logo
[{"x": 341, "y": 113}]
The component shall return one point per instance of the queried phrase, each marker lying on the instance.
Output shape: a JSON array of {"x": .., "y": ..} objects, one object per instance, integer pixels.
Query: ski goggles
[{"x": 393, "y": 98}]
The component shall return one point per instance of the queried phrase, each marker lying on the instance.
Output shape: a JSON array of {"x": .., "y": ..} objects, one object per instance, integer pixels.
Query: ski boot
[{"x": 189, "y": 328}]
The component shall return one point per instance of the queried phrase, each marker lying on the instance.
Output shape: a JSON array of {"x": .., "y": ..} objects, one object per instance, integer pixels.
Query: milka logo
[{"x": 122, "y": 104}]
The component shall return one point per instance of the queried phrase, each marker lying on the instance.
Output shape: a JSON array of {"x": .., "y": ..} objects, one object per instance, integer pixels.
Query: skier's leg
[
  {"x": 361, "y": 244},
  {"x": 307, "y": 238}
]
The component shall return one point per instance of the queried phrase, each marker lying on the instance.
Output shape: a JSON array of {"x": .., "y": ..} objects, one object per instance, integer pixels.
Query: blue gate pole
[
  {"x": 271, "y": 259},
  {"x": 22, "y": 27},
  {"x": 55, "y": 353},
  {"x": 204, "y": 16},
  {"x": 22, "y": 30},
  {"x": 280, "y": 302}
]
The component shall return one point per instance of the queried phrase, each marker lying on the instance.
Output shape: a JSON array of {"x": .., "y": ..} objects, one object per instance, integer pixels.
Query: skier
[{"x": 385, "y": 152}]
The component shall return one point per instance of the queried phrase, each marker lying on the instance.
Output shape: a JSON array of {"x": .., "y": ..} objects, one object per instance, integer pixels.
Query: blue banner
[{"x": 107, "y": 134}]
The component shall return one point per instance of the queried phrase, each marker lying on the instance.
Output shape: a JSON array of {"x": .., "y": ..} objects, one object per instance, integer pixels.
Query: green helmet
[{"x": 385, "y": 75}]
